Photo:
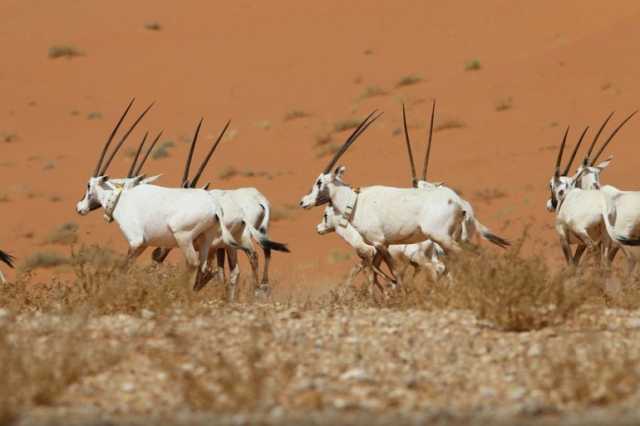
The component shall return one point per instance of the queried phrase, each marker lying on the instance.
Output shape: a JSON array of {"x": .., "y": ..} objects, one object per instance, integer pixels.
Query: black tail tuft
[
  {"x": 628, "y": 241},
  {"x": 7, "y": 258},
  {"x": 273, "y": 245},
  {"x": 499, "y": 241}
]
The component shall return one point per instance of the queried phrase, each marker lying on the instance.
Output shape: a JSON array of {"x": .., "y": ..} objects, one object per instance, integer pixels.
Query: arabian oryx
[
  {"x": 8, "y": 259},
  {"x": 246, "y": 215},
  {"x": 470, "y": 224},
  {"x": 583, "y": 216},
  {"x": 587, "y": 178},
  {"x": 150, "y": 215},
  {"x": 420, "y": 255},
  {"x": 386, "y": 215}
]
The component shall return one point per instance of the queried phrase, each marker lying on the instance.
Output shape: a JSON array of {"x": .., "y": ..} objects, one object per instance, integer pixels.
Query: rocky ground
[{"x": 301, "y": 363}]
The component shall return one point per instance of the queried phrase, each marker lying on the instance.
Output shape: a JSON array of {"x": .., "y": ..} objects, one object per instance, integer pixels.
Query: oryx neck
[{"x": 109, "y": 196}]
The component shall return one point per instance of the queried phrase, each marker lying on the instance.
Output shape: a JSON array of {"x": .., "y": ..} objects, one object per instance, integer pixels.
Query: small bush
[
  {"x": 8, "y": 137},
  {"x": 65, "y": 234},
  {"x": 504, "y": 104},
  {"x": 372, "y": 91},
  {"x": 64, "y": 51},
  {"x": 346, "y": 124},
  {"x": 44, "y": 259},
  {"x": 228, "y": 172},
  {"x": 322, "y": 138},
  {"x": 295, "y": 114},
  {"x": 409, "y": 80},
  {"x": 449, "y": 124},
  {"x": 94, "y": 115},
  {"x": 153, "y": 26},
  {"x": 162, "y": 150},
  {"x": 472, "y": 65}
]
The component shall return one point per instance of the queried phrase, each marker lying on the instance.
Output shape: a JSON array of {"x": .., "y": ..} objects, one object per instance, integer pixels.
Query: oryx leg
[
  {"x": 220, "y": 260},
  {"x": 234, "y": 273},
  {"x": 267, "y": 260},
  {"x": 136, "y": 247},
  {"x": 203, "y": 274},
  {"x": 2, "y": 279},
  {"x": 578, "y": 255},
  {"x": 566, "y": 248},
  {"x": 388, "y": 260}
]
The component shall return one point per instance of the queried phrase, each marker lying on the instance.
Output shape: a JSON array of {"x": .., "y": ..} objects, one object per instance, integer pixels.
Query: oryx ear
[
  {"x": 339, "y": 172},
  {"x": 104, "y": 179},
  {"x": 150, "y": 179},
  {"x": 603, "y": 164},
  {"x": 138, "y": 180},
  {"x": 206, "y": 187}
]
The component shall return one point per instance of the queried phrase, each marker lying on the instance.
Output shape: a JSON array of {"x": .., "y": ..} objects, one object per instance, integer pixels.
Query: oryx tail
[
  {"x": 260, "y": 234},
  {"x": 7, "y": 258},
  {"x": 490, "y": 236},
  {"x": 610, "y": 212}
]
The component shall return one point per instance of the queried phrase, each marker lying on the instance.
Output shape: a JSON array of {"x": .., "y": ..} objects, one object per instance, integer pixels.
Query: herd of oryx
[{"x": 418, "y": 226}]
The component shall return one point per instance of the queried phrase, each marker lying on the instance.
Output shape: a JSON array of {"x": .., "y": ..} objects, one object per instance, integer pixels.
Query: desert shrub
[
  {"x": 153, "y": 26},
  {"x": 295, "y": 114},
  {"x": 346, "y": 124},
  {"x": 162, "y": 150},
  {"x": 504, "y": 104},
  {"x": 44, "y": 259},
  {"x": 64, "y": 51},
  {"x": 449, "y": 124},
  {"x": 409, "y": 80},
  {"x": 65, "y": 234},
  {"x": 371, "y": 91},
  {"x": 472, "y": 65}
]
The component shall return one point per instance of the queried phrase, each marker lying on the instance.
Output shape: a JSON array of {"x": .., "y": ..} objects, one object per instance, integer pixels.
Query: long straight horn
[
  {"x": 575, "y": 151},
  {"x": 426, "y": 157},
  {"x": 135, "y": 158},
  {"x": 196, "y": 178},
  {"x": 111, "y": 136},
  {"x": 595, "y": 138},
  {"x": 351, "y": 139},
  {"x": 146, "y": 155},
  {"x": 559, "y": 158},
  {"x": 185, "y": 175},
  {"x": 604, "y": 145},
  {"x": 123, "y": 139},
  {"x": 414, "y": 179}
]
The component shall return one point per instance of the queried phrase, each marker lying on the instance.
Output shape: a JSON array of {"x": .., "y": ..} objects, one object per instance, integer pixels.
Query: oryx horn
[
  {"x": 194, "y": 182},
  {"x": 414, "y": 178},
  {"x": 559, "y": 158},
  {"x": 426, "y": 157},
  {"x": 595, "y": 138},
  {"x": 604, "y": 145},
  {"x": 122, "y": 140},
  {"x": 135, "y": 157},
  {"x": 354, "y": 136},
  {"x": 146, "y": 155},
  {"x": 575, "y": 151},
  {"x": 111, "y": 136},
  {"x": 185, "y": 175}
]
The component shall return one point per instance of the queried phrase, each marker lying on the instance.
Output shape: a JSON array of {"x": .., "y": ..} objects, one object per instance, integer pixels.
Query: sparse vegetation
[
  {"x": 162, "y": 150},
  {"x": 323, "y": 138},
  {"x": 472, "y": 65},
  {"x": 65, "y": 234},
  {"x": 409, "y": 80},
  {"x": 327, "y": 149},
  {"x": 228, "y": 172},
  {"x": 371, "y": 91},
  {"x": 64, "y": 51},
  {"x": 504, "y": 104},
  {"x": 295, "y": 114},
  {"x": 346, "y": 124},
  {"x": 4, "y": 197},
  {"x": 94, "y": 115},
  {"x": 44, "y": 259},
  {"x": 449, "y": 124},
  {"x": 153, "y": 26},
  {"x": 490, "y": 195},
  {"x": 9, "y": 137}
]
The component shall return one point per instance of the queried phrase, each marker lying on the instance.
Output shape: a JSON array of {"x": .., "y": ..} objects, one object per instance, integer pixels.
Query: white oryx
[
  {"x": 8, "y": 259},
  {"x": 421, "y": 255},
  {"x": 470, "y": 224},
  {"x": 150, "y": 215},
  {"x": 583, "y": 216},
  {"x": 246, "y": 216},
  {"x": 385, "y": 215},
  {"x": 587, "y": 178}
]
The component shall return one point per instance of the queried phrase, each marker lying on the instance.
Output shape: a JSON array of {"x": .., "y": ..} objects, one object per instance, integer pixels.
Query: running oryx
[
  {"x": 583, "y": 216},
  {"x": 150, "y": 215},
  {"x": 386, "y": 215},
  {"x": 426, "y": 254},
  {"x": 588, "y": 177},
  {"x": 8, "y": 259},
  {"x": 246, "y": 215},
  {"x": 470, "y": 224}
]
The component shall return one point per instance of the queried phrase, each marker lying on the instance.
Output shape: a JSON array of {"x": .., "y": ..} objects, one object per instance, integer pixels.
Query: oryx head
[
  {"x": 421, "y": 183},
  {"x": 99, "y": 179},
  {"x": 320, "y": 192},
  {"x": 328, "y": 221},
  {"x": 560, "y": 181}
]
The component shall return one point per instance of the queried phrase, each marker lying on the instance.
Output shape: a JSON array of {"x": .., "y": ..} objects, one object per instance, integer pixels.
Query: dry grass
[
  {"x": 44, "y": 259},
  {"x": 346, "y": 124},
  {"x": 372, "y": 91},
  {"x": 162, "y": 150},
  {"x": 153, "y": 26},
  {"x": 473, "y": 65},
  {"x": 64, "y": 51},
  {"x": 508, "y": 337},
  {"x": 295, "y": 114},
  {"x": 449, "y": 124},
  {"x": 65, "y": 234},
  {"x": 504, "y": 104},
  {"x": 409, "y": 80}
]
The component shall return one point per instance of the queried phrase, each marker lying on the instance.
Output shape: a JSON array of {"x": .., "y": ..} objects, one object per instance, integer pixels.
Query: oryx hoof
[
  {"x": 156, "y": 255},
  {"x": 202, "y": 278},
  {"x": 263, "y": 291}
]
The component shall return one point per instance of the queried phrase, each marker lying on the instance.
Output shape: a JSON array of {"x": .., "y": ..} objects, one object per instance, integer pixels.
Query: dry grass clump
[
  {"x": 449, "y": 124},
  {"x": 37, "y": 371},
  {"x": 346, "y": 124},
  {"x": 44, "y": 259},
  {"x": 473, "y": 65},
  {"x": 372, "y": 91},
  {"x": 65, "y": 234},
  {"x": 504, "y": 104},
  {"x": 162, "y": 150},
  {"x": 153, "y": 26},
  {"x": 409, "y": 80},
  {"x": 295, "y": 114},
  {"x": 64, "y": 51}
]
